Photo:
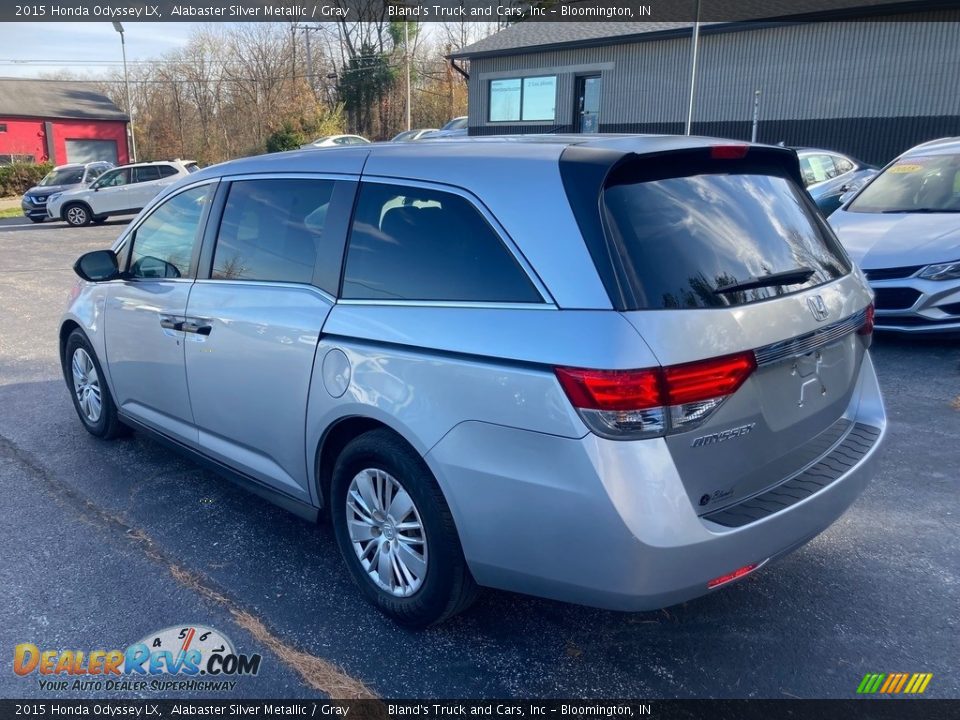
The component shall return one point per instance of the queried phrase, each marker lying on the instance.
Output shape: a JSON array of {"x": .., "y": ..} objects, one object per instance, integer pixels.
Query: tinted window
[
  {"x": 914, "y": 184},
  {"x": 272, "y": 229},
  {"x": 413, "y": 244},
  {"x": 114, "y": 178},
  {"x": 679, "y": 240},
  {"x": 94, "y": 172},
  {"x": 163, "y": 244},
  {"x": 146, "y": 174},
  {"x": 167, "y": 170}
]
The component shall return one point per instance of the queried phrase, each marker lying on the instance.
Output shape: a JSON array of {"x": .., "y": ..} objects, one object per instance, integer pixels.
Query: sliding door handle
[{"x": 193, "y": 325}]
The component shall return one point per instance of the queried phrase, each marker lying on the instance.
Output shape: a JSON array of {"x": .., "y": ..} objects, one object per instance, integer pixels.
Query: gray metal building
[{"x": 868, "y": 87}]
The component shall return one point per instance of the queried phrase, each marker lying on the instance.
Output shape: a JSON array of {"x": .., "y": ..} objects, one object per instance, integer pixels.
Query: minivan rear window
[{"x": 704, "y": 236}]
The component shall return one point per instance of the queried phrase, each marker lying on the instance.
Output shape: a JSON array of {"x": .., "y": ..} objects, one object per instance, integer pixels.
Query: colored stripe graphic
[{"x": 894, "y": 683}]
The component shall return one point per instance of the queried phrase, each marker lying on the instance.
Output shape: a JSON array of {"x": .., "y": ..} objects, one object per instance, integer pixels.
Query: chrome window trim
[
  {"x": 498, "y": 229},
  {"x": 288, "y": 175},
  {"x": 451, "y": 304},
  {"x": 270, "y": 283},
  {"x": 808, "y": 342}
]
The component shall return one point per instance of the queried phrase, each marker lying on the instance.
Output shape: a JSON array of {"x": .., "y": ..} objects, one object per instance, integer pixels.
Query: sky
[{"x": 35, "y": 49}]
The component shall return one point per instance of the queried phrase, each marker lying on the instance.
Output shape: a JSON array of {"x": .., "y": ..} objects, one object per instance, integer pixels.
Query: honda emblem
[{"x": 818, "y": 308}]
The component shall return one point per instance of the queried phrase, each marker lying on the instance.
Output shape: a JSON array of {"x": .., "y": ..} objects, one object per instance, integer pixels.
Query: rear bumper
[{"x": 608, "y": 523}]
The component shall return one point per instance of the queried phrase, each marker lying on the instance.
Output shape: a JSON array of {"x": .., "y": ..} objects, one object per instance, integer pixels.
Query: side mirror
[{"x": 97, "y": 266}]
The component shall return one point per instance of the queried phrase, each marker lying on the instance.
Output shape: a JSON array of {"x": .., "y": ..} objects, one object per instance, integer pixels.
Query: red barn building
[{"x": 59, "y": 122}]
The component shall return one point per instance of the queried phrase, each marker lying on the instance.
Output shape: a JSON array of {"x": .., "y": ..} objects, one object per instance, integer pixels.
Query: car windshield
[
  {"x": 64, "y": 176},
  {"x": 455, "y": 124},
  {"x": 918, "y": 184}
]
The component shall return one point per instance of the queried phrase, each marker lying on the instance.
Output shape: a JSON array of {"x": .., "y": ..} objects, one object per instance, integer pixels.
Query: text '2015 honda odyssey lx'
[{"x": 618, "y": 371}]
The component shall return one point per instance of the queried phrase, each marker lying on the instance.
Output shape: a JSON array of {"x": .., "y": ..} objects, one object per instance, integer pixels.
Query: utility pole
[
  {"x": 693, "y": 68},
  {"x": 126, "y": 82},
  {"x": 406, "y": 51},
  {"x": 756, "y": 115},
  {"x": 306, "y": 37}
]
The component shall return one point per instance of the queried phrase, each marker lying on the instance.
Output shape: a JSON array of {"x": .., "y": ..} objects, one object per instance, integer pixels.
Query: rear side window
[
  {"x": 410, "y": 243},
  {"x": 146, "y": 174},
  {"x": 272, "y": 230},
  {"x": 691, "y": 239},
  {"x": 167, "y": 170}
]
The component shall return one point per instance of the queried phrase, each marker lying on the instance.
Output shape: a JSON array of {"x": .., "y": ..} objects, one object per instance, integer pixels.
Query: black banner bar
[
  {"x": 313, "y": 11},
  {"x": 860, "y": 709}
]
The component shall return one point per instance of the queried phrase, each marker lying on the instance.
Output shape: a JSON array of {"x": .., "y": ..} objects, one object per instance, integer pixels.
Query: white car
[
  {"x": 122, "y": 191},
  {"x": 336, "y": 141}
]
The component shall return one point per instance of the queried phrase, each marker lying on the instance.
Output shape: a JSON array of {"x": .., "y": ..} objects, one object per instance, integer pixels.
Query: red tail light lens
[
  {"x": 728, "y": 152},
  {"x": 707, "y": 379},
  {"x": 611, "y": 389},
  {"x": 654, "y": 401},
  {"x": 867, "y": 327}
]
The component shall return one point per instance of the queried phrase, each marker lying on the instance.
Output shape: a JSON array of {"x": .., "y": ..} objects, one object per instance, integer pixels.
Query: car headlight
[{"x": 943, "y": 271}]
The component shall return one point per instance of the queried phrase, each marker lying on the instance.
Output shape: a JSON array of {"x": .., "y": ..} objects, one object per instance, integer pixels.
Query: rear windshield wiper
[{"x": 787, "y": 277}]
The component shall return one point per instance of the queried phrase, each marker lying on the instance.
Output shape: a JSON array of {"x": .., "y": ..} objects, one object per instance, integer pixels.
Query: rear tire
[
  {"x": 91, "y": 396},
  {"x": 424, "y": 578},
  {"x": 77, "y": 214}
]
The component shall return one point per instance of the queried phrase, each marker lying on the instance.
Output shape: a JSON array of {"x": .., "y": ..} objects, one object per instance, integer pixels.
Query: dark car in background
[
  {"x": 828, "y": 175},
  {"x": 61, "y": 178}
]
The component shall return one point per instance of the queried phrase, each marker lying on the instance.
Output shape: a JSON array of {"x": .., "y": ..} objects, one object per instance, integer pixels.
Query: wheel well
[
  {"x": 334, "y": 441},
  {"x": 68, "y": 327},
  {"x": 86, "y": 206}
]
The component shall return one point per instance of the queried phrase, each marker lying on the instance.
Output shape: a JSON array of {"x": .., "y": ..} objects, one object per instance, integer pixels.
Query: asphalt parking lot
[{"x": 103, "y": 543}]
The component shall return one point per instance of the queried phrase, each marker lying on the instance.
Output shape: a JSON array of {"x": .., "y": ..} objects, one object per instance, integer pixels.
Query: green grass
[{"x": 11, "y": 212}]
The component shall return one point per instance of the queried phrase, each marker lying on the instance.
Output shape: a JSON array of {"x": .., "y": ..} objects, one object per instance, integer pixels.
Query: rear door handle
[{"x": 195, "y": 325}]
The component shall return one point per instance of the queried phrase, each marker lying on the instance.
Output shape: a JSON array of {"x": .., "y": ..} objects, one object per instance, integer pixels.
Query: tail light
[
  {"x": 728, "y": 152},
  {"x": 654, "y": 401},
  {"x": 735, "y": 575}
]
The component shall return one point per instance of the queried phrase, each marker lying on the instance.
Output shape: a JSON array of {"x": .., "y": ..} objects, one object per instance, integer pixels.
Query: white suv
[{"x": 121, "y": 191}]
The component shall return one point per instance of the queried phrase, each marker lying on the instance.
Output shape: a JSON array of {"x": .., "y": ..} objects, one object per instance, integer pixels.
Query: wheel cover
[
  {"x": 77, "y": 215},
  {"x": 386, "y": 532},
  {"x": 86, "y": 385}
]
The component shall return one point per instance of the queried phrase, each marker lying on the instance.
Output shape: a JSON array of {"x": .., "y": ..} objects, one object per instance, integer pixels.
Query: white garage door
[{"x": 84, "y": 151}]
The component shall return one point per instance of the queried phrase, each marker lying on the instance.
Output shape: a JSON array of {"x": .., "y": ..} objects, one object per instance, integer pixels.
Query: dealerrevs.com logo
[{"x": 183, "y": 658}]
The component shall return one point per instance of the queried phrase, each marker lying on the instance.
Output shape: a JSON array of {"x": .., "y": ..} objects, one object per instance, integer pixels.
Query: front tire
[
  {"x": 77, "y": 215},
  {"x": 395, "y": 532},
  {"x": 91, "y": 396}
]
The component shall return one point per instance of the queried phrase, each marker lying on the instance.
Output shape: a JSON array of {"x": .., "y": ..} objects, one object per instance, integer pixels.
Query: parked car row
[{"x": 81, "y": 194}]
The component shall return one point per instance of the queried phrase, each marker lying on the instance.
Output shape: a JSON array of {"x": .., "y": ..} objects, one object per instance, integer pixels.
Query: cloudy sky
[{"x": 34, "y": 49}]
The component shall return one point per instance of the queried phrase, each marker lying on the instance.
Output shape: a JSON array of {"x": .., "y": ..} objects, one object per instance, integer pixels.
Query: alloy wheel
[
  {"x": 86, "y": 385},
  {"x": 387, "y": 532}
]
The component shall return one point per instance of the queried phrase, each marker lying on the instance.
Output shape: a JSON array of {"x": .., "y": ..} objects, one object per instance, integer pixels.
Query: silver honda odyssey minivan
[{"x": 622, "y": 371}]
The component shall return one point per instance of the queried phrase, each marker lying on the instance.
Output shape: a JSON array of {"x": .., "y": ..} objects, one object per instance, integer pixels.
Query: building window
[
  {"x": 3, "y": 127},
  {"x": 523, "y": 99}
]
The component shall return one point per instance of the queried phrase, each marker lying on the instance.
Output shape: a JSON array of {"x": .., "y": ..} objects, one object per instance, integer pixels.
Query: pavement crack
[{"x": 319, "y": 674}]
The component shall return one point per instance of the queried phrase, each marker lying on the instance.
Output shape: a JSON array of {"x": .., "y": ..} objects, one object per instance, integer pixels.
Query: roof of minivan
[{"x": 424, "y": 160}]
